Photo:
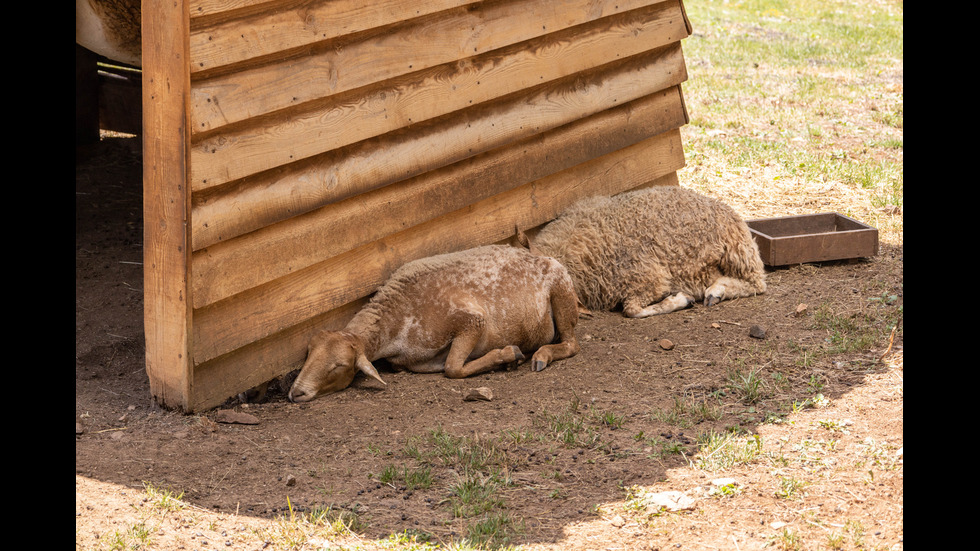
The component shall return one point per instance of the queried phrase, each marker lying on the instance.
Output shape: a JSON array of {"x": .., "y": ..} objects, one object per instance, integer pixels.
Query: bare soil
[{"x": 236, "y": 480}]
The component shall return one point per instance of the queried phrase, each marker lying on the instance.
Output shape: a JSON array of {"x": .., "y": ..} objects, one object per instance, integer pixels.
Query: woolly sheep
[
  {"x": 459, "y": 313},
  {"x": 654, "y": 251}
]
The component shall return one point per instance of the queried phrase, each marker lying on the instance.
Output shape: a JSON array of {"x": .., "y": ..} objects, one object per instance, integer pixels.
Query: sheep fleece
[{"x": 646, "y": 244}]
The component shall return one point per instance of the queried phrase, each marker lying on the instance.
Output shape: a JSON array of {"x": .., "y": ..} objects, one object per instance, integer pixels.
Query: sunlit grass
[{"x": 785, "y": 96}]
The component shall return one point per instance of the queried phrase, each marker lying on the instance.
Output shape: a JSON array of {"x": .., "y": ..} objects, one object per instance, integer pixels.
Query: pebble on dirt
[
  {"x": 235, "y": 417},
  {"x": 757, "y": 332},
  {"x": 481, "y": 393}
]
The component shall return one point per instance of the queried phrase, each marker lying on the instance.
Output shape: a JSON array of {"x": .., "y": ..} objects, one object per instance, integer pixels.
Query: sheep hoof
[
  {"x": 711, "y": 300},
  {"x": 518, "y": 355},
  {"x": 538, "y": 365}
]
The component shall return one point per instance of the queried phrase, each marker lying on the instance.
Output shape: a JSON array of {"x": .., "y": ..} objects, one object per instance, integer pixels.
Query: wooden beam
[{"x": 166, "y": 202}]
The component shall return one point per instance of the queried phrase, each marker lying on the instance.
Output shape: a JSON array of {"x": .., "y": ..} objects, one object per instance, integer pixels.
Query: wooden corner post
[{"x": 166, "y": 201}]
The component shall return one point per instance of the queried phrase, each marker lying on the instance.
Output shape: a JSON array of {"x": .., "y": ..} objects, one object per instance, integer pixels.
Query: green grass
[
  {"x": 719, "y": 451},
  {"x": 688, "y": 411},
  {"x": 804, "y": 91},
  {"x": 295, "y": 529},
  {"x": 748, "y": 385},
  {"x": 412, "y": 478},
  {"x": 132, "y": 538}
]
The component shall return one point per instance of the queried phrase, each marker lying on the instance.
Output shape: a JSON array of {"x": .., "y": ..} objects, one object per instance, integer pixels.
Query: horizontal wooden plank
[
  {"x": 263, "y": 311},
  {"x": 244, "y": 34},
  {"x": 275, "y": 195},
  {"x": 199, "y": 8},
  {"x": 239, "y": 96},
  {"x": 425, "y": 146},
  {"x": 233, "y": 266}
]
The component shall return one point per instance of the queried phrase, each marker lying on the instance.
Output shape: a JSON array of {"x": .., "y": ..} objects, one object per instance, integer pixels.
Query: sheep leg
[
  {"x": 435, "y": 365},
  {"x": 672, "y": 303},
  {"x": 565, "y": 311},
  {"x": 728, "y": 288},
  {"x": 473, "y": 325},
  {"x": 457, "y": 368}
]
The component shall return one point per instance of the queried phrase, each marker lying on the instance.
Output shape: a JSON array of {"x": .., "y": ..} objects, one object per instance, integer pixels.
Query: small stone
[
  {"x": 617, "y": 521},
  {"x": 235, "y": 417},
  {"x": 757, "y": 332},
  {"x": 669, "y": 500},
  {"x": 481, "y": 393},
  {"x": 290, "y": 480},
  {"x": 666, "y": 344}
]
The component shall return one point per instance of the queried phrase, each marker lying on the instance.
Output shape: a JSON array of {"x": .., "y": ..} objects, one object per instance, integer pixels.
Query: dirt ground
[{"x": 236, "y": 480}]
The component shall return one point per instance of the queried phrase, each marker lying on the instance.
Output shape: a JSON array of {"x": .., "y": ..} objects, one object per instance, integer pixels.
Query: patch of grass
[
  {"x": 474, "y": 494},
  {"x": 494, "y": 531},
  {"x": 568, "y": 427},
  {"x": 719, "y": 451},
  {"x": 463, "y": 453},
  {"x": 787, "y": 540},
  {"x": 419, "y": 478},
  {"x": 747, "y": 385},
  {"x": 410, "y": 540},
  {"x": 295, "y": 530},
  {"x": 845, "y": 332},
  {"x": 133, "y": 538},
  {"x": 688, "y": 411},
  {"x": 612, "y": 420},
  {"x": 790, "y": 487},
  {"x": 165, "y": 499},
  {"x": 796, "y": 95}
]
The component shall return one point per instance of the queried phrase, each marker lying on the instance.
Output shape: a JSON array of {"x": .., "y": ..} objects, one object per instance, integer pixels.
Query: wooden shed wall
[{"x": 296, "y": 153}]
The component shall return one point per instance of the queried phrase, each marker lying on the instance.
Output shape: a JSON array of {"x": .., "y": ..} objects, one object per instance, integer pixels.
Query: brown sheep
[
  {"x": 654, "y": 251},
  {"x": 459, "y": 313}
]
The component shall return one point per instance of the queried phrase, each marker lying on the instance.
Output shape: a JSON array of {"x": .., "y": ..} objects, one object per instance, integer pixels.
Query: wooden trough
[
  {"x": 812, "y": 238},
  {"x": 296, "y": 153}
]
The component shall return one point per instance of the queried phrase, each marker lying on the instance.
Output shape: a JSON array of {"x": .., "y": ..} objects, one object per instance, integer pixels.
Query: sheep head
[{"x": 333, "y": 358}]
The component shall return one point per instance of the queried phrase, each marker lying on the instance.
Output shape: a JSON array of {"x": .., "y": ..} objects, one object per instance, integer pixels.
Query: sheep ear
[
  {"x": 367, "y": 368},
  {"x": 524, "y": 241}
]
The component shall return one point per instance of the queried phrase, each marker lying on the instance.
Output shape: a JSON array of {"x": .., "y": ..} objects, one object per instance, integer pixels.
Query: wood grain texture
[
  {"x": 457, "y": 35},
  {"x": 297, "y": 152},
  {"x": 371, "y": 164},
  {"x": 166, "y": 206},
  {"x": 219, "y": 328},
  {"x": 273, "y": 251},
  {"x": 263, "y": 360},
  {"x": 217, "y": 38}
]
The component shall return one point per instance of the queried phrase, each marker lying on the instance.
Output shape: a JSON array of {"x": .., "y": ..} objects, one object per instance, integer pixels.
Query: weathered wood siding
[{"x": 307, "y": 149}]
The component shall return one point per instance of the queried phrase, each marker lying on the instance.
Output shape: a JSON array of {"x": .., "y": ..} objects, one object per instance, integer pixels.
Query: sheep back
[
  {"x": 655, "y": 241},
  {"x": 411, "y": 314}
]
